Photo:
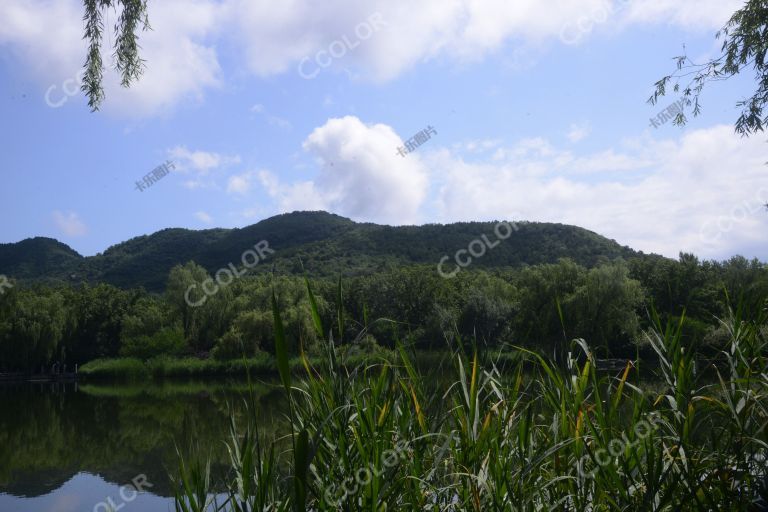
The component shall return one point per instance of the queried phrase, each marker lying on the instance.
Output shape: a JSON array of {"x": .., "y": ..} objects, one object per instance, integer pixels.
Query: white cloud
[
  {"x": 277, "y": 37},
  {"x": 204, "y": 217},
  {"x": 360, "y": 176},
  {"x": 273, "y": 120},
  {"x": 47, "y": 38},
  {"x": 677, "y": 192},
  {"x": 274, "y": 37},
  {"x": 279, "y": 122},
  {"x": 692, "y": 14},
  {"x": 702, "y": 192},
  {"x": 240, "y": 184},
  {"x": 69, "y": 223},
  {"x": 181, "y": 59},
  {"x": 251, "y": 214},
  {"x": 477, "y": 146},
  {"x": 200, "y": 162},
  {"x": 199, "y": 165},
  {"x": 579, "y": 131}
]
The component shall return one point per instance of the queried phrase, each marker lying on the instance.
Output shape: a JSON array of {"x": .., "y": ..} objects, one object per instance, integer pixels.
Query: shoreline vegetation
[
  {"x": 387, "y": 436},
  {"x": 167, "y": 367},
  {"x": 104, "y": 329}
]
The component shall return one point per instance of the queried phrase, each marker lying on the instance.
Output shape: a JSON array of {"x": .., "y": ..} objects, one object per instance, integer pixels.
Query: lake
[{"x": 87, "y": 447}]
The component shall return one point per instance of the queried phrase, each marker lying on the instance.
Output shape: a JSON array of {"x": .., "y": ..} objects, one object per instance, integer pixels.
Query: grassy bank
[{"x": 127, "y": 368}]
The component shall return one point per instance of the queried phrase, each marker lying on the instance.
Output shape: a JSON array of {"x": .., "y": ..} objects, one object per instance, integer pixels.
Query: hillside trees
[{"x": 31, "y": 328}]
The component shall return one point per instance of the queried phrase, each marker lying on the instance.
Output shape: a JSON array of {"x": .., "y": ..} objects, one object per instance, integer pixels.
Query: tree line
[{"x": 540, "y": 306}]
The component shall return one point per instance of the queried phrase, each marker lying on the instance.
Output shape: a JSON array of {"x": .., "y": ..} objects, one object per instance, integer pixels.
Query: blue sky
[{"x": 535, "y": 119}]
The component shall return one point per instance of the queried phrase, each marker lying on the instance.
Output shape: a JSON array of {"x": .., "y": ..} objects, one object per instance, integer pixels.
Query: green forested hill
[
  {"x": 321, "y": 242},
  {"x": 38, "y": 258}
]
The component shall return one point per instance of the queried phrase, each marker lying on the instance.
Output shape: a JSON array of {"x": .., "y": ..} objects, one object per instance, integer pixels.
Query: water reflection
[{"x": 69, "y": 447}]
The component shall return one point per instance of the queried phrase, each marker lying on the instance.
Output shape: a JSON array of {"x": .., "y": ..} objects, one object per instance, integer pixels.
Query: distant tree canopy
[
  {"x": 132, "y": 19},
  {"x": 745, "y": 40},
  {"x": 540, "y": 306}
]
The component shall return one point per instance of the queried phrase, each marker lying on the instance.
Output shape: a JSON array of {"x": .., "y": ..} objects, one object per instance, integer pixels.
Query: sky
[{"x": 534, "y": 111}]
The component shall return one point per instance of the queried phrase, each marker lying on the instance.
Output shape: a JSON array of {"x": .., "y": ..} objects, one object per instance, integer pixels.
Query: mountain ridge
[{"x": 319, "y": 242}]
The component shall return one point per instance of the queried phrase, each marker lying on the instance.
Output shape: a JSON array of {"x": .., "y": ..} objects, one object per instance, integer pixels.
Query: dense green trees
[
  {"x": 320, "y": 243},
  {"x": 32, "y": 328},
  {"x": 543, "y": 306}
]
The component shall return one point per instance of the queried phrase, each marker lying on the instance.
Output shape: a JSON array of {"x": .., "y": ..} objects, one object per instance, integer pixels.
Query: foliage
[
  {"x": 557, "y": 437},
  {"x": 133, "y": 14},
  {"x": 539, "y": 306},
  {"x": 319, "y": 243},
  {"x": 166, "y": 341},
  {"x": 744, "y": 46}
]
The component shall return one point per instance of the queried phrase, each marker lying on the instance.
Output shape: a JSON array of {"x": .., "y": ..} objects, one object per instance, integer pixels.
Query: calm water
[{"x": 78, "y": 448}]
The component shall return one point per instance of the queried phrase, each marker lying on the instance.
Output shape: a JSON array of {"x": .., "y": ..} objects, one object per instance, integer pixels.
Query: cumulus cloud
[
  {"x": 702, "y": 192},
  {"x": 276, "y": 37},
  {"x": 241, "y": 184},
  {"x": 204, "y": 217},
  {"x": 361, "y": 174},
  {"x": 579, "y": 131},
  {"x": 678, "y": 195},
  {"x": 199, "y": 164},
  {"x": 47, "y": 38},
  {"x": 69, "y": 223},
  {"x": 182, "y": 62},
  {"x": 273, "y": 120},
  {"x": 45, "y": 35},
  {"x": 693, "y": 14}
]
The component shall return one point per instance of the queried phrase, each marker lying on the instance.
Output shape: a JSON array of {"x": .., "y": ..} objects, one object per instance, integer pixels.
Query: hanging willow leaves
[{"x": 131, "y": 19}]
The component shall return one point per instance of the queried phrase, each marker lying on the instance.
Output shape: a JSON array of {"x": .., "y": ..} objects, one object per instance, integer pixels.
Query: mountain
[
  {"x": 38, "y": 258},
  {"x": 319, "y": 242}
]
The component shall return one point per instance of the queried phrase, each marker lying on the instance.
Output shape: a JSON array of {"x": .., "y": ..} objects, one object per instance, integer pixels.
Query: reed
[{"x": 536, "y": 436}]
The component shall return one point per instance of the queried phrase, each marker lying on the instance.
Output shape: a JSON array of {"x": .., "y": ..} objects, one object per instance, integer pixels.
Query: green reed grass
[{"x": 536, "y": 436}]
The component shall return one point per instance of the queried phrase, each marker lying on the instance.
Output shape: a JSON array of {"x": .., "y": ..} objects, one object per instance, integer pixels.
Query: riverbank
[
  {"x": 185, "y": 367},
  {"x": 44, "y": 377}
]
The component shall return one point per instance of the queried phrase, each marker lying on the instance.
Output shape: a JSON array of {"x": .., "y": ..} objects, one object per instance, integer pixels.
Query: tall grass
[
  {"x": 161, "y": 367},
  {"x": 539, "y": 436}
]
